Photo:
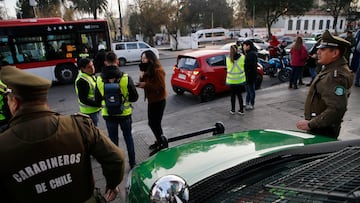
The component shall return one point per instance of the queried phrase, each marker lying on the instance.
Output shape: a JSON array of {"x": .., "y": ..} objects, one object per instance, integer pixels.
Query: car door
[
  {"x": 217, "y": 63},
  {"x": 132, "y": 52}
]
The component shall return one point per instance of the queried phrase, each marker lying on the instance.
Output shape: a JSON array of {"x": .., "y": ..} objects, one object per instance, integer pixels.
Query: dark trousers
[
  {"x": 112, "y": 125},
  {"x": 250, "y": 94},
  {"x": 295, "y": 74},
  {"x": 236, "y": 92},
  {"x": 155, "y": 114}
]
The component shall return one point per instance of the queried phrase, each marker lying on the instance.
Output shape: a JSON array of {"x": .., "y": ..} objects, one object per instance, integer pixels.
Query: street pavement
[{"x": 276, "y": 107}]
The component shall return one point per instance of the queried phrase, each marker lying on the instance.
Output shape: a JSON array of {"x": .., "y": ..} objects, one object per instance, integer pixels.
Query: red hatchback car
[{"x": 203, "y": 73}]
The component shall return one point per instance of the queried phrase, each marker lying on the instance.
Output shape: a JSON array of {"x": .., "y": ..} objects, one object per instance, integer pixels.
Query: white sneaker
[
  {"x": 241, "y": 112},
  {"x": 232, "y": 112},
  {"x": 249, "y": 107}
]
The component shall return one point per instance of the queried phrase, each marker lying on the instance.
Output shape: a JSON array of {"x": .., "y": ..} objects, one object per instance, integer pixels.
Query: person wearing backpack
[{"x": 117, "y": 91}]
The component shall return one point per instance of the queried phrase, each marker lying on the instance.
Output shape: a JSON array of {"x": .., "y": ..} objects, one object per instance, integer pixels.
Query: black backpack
[{"x": 114, "y": 99}]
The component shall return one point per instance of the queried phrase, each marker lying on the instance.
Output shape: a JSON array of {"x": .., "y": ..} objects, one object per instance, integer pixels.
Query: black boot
[{"x": 153, "y": 146}]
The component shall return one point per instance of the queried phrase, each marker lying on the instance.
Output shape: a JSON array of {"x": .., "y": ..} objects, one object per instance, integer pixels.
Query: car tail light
[{"x": 196, "y": 72}]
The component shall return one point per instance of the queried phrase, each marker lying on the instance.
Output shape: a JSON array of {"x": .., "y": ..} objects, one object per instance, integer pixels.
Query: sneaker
[
  {"x": 249, "y": 107},
  {"x": 241, "y": 112},
  {"x": 232, "y": 112}
]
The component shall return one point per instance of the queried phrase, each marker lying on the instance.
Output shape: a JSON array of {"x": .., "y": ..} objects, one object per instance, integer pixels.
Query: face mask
[{"x": 143, "y": 66}]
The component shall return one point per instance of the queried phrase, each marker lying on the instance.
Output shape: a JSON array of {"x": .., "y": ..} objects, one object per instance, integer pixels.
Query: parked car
[
  {"x": 131, "y": 51},
  {"x": 203, "y": 73},
  {"x": 308, "y": 44},
  {"x": 250, "y": 166},
  {"x": 287, "y": 39},
  {"x": 262, "y": 53},
  {"x": 256, "y": 40}
]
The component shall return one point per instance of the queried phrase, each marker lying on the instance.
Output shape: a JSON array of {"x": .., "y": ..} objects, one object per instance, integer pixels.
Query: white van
[
  {"x": 131, "y": 51},
  {"x": 214, "y": 34}
]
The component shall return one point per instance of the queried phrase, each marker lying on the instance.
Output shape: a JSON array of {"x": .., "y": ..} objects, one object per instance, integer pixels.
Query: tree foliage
[
  {"x": 149, "y": 15},
  {"x": 91, "y": 6},
  {"x": 336, "y": 8},
  {"x": 207, "y": 14},
  {"x": 23, "y": 9},
  {"x": 272, "y": 10}
]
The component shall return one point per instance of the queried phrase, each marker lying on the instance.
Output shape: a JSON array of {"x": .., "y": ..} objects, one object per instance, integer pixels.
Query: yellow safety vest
[
  {"x": 86, "y": 109},
  {"x": 235, "y": 71},
  {"x": 2, "y": 90},
  {"x": 123, "y": 83}
]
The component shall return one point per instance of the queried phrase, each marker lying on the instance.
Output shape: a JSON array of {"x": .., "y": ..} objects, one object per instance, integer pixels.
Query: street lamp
[{"x": 121, "y": 24}]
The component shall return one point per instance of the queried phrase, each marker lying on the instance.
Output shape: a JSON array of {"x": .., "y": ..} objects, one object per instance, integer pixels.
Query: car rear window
[
  {"x": 187, "y": 63},
  {"x": 216, "y": 60}
]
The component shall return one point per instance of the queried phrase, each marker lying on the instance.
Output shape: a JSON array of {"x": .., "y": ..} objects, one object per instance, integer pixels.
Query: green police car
[{"x": 252, "y": 166}]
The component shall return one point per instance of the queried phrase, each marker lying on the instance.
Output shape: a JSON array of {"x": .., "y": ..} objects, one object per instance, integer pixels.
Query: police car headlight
[{"x": 169, "y": 189}]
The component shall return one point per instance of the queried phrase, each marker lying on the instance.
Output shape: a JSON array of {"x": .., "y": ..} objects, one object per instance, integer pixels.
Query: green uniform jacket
[
  {"x": 46, "y": 157},
  {"x": 327, "y": 99}
]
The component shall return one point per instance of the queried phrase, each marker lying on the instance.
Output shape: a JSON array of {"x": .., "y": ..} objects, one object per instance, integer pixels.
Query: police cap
[
  {"x": 328, "y": 40},
  {"x": 23, "y": 84}
]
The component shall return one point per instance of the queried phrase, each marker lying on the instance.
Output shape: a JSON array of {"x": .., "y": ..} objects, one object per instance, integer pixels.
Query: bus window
[
  {"x": 5, "y": 52},
  {"x": 32, "y": 47}
]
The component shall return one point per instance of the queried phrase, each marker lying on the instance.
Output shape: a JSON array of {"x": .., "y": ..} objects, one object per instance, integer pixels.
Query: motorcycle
[{"x": 277, "y": 67}]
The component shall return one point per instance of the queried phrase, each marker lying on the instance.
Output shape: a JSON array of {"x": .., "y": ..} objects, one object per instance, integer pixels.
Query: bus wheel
[
  {"x": 66, "y": 73},
  {"x": 122, "y": 61}
]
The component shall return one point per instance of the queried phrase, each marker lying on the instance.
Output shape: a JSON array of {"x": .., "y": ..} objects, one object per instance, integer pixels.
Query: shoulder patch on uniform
[{"x": 339, "y": 90}]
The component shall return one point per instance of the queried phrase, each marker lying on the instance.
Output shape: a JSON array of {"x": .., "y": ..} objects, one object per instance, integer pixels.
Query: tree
[
  {"x": 24, "y": 10},
  {"x": 149, "y": 16},
  {"x": 90, "y": 6},
  {"x": 272, "y": 10},
  {"x": 207, "y": 14},
  {"x": 336, "y": 8},
  {"x": 44, "y": 8},
  {"x": 175, "y": 23}
]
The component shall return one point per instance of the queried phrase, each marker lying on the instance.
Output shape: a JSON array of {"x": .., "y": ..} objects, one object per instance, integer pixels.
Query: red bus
[{"x": 50, "y": 47}]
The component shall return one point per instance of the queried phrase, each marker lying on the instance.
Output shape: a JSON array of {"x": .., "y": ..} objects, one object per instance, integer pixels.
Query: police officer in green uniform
[
  {"x": 327, "y": 99},
  {"x": 45, "y": 156}
]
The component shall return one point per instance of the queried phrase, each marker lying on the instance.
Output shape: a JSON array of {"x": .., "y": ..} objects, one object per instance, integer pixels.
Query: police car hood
[{"x": 200, "y": 159}]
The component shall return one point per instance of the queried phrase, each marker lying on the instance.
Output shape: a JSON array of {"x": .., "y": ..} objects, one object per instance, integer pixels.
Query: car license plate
[{"x": 182, "y": 76}]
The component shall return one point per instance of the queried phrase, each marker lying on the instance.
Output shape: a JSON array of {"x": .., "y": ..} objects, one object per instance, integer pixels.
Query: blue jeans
[
  {"x": 312, "y": 71},
  {"x": 250, "y": 94},
  {"x": 112, "y": 125},
  {"x": 95, "y": 117}
]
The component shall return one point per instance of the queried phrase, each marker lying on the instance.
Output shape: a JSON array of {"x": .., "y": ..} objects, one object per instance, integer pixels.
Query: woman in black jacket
[{"x": 250, "y": 72}]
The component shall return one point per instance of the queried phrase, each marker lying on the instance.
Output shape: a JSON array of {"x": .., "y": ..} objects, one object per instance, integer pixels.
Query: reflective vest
[
  {"x": 91, "y": 80},
  {"x": 123, "y": 83},
  {"x": 2, "y": 101},
  {"x": 235, "y": 71}
]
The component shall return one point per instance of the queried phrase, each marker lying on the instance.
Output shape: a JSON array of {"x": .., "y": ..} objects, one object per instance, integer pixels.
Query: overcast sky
[{"x": 113, "y": 4}]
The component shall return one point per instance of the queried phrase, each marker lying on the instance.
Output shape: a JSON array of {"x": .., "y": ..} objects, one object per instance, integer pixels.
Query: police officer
[
  {"x": 327, "y": 99},
  {"x": 85, "y": 88},
  {"x": 46, "y": 156}
]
